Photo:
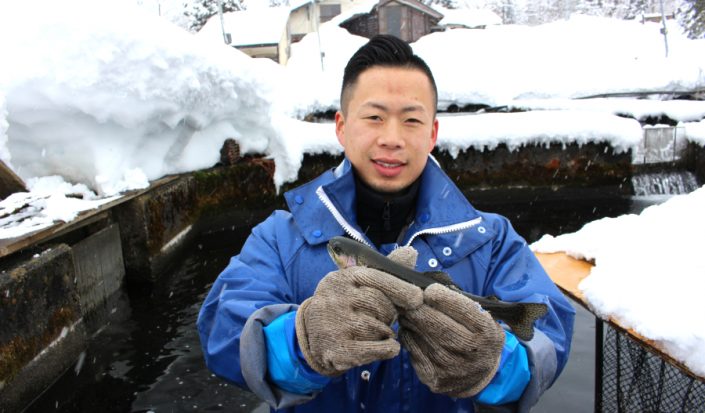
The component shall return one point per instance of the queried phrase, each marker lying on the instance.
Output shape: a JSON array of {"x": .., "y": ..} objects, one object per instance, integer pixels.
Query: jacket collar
[
  {"x": 325, "y": 207},
  {"x": 317, "y": 222}
]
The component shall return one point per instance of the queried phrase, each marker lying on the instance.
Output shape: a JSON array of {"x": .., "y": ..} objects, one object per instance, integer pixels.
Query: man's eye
[
  {"x": 374, "y": 117},
  {"x": 413, "y": 120}
]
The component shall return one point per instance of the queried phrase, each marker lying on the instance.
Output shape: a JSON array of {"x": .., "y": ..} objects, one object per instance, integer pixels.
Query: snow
[
  {"x": 696, "y": 132},
  {"x": 580, "y": 57},
  {"x": 101, "y": 97},
  {"x": 92, "y": 98},
  {"x": 486, "y": 131},
  {"x": 246, "y": 28},
  {"x": 50, "y": 199},
  {"x": 470, "y": 18},
  {"x": 680, "y": 110},
  {"x": 648, "y": 272}
]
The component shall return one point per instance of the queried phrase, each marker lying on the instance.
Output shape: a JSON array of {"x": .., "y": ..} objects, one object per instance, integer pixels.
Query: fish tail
[{"x": 520, "y": 317}]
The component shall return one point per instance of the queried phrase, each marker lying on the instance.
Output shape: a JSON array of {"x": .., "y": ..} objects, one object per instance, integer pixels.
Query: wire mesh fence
[{"x": 636, "y": 380}]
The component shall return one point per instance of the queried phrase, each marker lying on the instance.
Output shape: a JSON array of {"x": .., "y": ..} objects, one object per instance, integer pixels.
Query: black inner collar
[{"x": 384, "y": 215}]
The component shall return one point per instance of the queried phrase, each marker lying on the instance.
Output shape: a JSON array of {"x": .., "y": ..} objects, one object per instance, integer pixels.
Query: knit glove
[
  {"x": 347, "y": 322},
  {"x": 455, "y": 346}
]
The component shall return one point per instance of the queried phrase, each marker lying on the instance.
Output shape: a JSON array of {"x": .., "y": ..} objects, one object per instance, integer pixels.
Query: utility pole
[
  {"x": 317, "y": 19},
  {"x": 226, "y": 36},
  {"x": 664, "y": 31}
]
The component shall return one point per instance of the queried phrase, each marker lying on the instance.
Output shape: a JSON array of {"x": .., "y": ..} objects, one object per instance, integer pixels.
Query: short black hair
[{"x": 383, "y": 50}]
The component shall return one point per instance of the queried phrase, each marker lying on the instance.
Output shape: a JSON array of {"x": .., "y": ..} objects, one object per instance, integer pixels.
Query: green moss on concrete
[
  {"x": 554, "y": 166},
  {"x": 23, "y": 349}
]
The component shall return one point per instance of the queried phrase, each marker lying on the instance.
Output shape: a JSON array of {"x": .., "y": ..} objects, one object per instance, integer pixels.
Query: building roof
[
  {"x": 371, "y": 5},
  {"x": 250, "y": 27},
  {"x": 416, "y": 5}
]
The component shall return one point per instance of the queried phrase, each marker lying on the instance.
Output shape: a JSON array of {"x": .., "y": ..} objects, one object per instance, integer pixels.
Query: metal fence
[
  {"x": 660, "y": 144},
  {"x": 633, "y": 379}
]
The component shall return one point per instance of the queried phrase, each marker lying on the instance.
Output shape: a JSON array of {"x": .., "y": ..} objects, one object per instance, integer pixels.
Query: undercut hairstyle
[{"x": 382, "y": 50}]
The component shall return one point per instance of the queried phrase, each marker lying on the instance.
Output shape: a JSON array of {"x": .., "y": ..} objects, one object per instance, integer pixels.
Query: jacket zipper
[
  {"x": 446, "y": 230},
  {"x": 354, "y": 234}
]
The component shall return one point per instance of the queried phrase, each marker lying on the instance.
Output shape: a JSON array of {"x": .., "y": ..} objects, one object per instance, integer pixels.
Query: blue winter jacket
[{"x": 285, "y": 257}]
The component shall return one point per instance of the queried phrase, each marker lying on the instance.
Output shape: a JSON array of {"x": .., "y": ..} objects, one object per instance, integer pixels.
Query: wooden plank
[
  {"x": 12, "y": 245},
  {"x": 9, "y": 182},
  {"x": 567, "y": 272}
]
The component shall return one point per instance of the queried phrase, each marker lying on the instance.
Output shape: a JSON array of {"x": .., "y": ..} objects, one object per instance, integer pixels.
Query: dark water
[{"x": 148, "y": 358}]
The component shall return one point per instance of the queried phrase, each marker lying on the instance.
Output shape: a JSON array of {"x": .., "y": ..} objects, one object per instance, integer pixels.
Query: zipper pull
[{"x": 387, "y": 216}]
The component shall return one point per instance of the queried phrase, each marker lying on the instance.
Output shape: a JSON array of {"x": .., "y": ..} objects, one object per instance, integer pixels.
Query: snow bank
[
  {"x": 486, "y": 131},
  {"x": 579, "y": 57},
  {"x": 94, "y": 96},
  {"x": 317, "y": 84},
  {"x": 648, "y": 272},
  {"x": 640, "y": 109},
  {"x": 695, "y": 131}
]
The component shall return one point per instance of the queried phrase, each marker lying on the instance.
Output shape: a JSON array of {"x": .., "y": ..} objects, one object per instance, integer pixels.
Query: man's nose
[{"x": 392, "y": 135}]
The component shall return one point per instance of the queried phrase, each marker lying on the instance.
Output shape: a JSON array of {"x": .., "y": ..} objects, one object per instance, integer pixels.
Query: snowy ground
[{"x": 98, "y": 100}]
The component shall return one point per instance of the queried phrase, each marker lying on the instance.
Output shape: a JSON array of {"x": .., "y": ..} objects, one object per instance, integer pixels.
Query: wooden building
[{"x": 406, "y": 19}]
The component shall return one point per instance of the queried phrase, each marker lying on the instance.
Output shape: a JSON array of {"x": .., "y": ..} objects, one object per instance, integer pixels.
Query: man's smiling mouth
[{"x": 389, "y": 164}]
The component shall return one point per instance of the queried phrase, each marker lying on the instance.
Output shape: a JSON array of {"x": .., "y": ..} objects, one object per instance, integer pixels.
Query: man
[{"x": 282, "y": 321}]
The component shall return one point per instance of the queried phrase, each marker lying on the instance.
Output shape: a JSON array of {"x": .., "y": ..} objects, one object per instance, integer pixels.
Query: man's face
[{"x": 389, "y": 127}]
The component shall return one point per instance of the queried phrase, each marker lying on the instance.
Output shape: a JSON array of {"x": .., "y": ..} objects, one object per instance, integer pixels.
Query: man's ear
[
  {"x": 434, "y": 134},
  {"x": 340, "y": 127}
]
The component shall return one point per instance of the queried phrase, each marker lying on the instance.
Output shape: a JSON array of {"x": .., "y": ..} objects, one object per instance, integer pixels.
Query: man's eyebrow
[
  {"x": 413, "y": 108},
  {"x": 405, "y": 109},
  {"x": 375, "y": 105}
]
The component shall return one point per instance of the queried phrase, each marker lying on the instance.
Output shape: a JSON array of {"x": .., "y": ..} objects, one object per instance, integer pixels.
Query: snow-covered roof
[
  {"x": 469, "y": 18},
  {"x": 250, "y": 27},
  {"x": 361, "y": 7},
  {"x": 295, "y": 4}
]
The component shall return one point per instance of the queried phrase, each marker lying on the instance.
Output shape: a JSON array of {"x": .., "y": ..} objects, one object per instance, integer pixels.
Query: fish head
[{"x": 338, "y": 254}]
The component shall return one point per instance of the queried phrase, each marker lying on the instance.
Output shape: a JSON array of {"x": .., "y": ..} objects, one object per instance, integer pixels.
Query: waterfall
[{"x": 664, "y": 183}]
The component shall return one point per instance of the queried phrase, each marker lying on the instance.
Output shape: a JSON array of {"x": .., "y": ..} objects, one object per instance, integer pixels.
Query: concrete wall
[
  {"x": 157, "y": 226},
  {"x": 556, "y": 166},
  {"x": 696, "y": 156},
  {"x": 44, "y": 297}
]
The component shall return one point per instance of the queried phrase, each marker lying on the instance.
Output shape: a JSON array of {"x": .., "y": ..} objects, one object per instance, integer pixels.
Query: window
[{"x": 328, "y": 11}]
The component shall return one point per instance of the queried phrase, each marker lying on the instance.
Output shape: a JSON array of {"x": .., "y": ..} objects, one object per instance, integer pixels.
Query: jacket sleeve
[
  {"x": 514, "y": 274},
  {"x": 512, "y": 376},
  {"x": 252, "y": 291},
  {"x": 286, "y": 366}
]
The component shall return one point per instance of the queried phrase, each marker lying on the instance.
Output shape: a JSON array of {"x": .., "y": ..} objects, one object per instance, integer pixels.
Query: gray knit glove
[
  {"x": 347, "y": 322},
  {"x": 455, "y": 345}
]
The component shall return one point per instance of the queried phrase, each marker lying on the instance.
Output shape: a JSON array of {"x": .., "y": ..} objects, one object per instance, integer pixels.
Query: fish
[{"x": 518, "y": 316}]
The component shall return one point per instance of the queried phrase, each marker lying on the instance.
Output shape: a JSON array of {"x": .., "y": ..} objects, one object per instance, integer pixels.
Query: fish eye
[{"x": 337, "y": 249}]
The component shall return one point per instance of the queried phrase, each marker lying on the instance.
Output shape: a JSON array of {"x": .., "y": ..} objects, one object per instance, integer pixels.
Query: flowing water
[
  {"x": 664, "y": 183},
  {"x": 148, "y": 358}
]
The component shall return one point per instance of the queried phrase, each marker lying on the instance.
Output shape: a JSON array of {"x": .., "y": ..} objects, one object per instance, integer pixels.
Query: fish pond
[{"x": 146, "y": 356}]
